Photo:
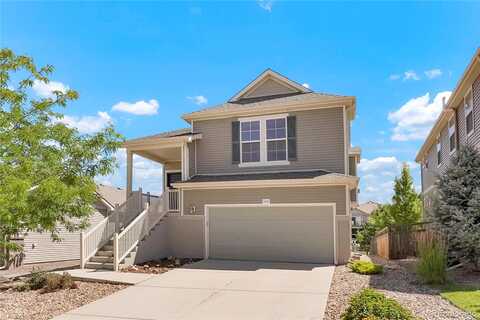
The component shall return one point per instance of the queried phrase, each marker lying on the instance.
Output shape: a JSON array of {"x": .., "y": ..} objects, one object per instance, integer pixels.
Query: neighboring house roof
[
  {"x": 367, "y": 207},
  {"x": 259, "y": 176},
  {"x": 470, "y": 74},
  {"x": 112, "y": 195}
]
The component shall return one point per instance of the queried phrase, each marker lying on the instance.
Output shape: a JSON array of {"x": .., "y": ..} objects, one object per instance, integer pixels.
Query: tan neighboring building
[
  {"x": 457, "y": 125},
  {"x": 360, "y": 215}
]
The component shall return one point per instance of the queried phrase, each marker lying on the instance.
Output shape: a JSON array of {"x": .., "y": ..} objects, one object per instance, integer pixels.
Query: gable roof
[
  {"x": 367, "y": 207},
  {"x": 282, "y": 84},
  {"x": 470, "y": 74}
]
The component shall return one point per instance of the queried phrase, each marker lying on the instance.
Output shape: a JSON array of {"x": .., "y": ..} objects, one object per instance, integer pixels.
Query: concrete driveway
[{"x": 214, "y": 289}]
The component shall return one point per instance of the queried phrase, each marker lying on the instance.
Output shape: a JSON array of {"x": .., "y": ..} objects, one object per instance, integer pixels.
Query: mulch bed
[
  {"x": 36, "y": 305},
  {"x": 161, "y": 266},
  {"x": 396, "y": 282}
]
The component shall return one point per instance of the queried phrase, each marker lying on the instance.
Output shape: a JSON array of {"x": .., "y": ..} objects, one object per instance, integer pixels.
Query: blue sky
[{"x": 158, "y": 60}]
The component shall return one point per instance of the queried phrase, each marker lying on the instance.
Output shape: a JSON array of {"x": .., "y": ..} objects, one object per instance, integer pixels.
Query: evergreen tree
[
  {"x": 406, "y": 208},
  {"x": 457, "y": 208}
]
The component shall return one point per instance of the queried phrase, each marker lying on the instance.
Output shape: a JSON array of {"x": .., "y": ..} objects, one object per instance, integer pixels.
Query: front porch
[{"x": 174, "y": 151}]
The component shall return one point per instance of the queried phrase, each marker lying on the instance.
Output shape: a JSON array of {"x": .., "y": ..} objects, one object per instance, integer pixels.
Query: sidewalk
[{"x": 107, "y": 276}]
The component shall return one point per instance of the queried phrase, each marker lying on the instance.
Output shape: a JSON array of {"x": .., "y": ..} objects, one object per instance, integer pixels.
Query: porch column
[{"x": 129, "y": 172}]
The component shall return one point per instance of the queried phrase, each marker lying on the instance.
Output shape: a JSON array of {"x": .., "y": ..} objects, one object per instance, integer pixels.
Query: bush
[
  {"x": 36, "y": 281},
  {"x": 56, "y": 282},
  {"x": 365, "y": 267},
  {"x": 432, "y": 266},
  {"x": 372, "y": 305},
  {"x": 48, "y": 282}
]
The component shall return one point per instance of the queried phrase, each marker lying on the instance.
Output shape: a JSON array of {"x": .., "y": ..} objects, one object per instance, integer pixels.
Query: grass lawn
[{"x": 465, "y": 297}]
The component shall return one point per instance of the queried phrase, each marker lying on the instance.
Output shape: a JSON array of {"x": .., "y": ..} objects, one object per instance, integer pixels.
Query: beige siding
[
  {"x": 352, "y": 164},
  {"x": 344, "y": 235},
  {"x": 285, "y": 234},
  {"x": 177, "y": 165},
  {"x": 198, "y": 198},
  {"x": 320, "y": 144},
  {"x": 269, "y": 88},
  {"x": 39, "y": 247},
  {"x": 191, "y": 158}
]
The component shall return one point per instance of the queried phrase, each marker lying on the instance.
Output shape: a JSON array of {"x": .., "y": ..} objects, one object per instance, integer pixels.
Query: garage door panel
[{"x": 297, "y": 234}]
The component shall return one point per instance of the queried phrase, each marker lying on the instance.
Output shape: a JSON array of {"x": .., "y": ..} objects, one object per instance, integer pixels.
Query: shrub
[
  {"x": 369, "y": 304},
  {"x": 56, "y": 282},
  {"x": 365, "y": 267},
  {"x": 37, "y": 280},
  {"x": 432, "y": 266}
]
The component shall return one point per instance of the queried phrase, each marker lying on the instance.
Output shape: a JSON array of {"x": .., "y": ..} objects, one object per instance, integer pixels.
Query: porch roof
[
  {"x": 270, "y": 179},
  {"x": 162, "y": 147}
]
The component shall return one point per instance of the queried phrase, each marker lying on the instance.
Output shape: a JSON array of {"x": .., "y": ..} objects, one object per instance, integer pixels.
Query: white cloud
[
  {"x": 198, "y": 100},
  {"x": 146, "y": 174},
  {"x": 306, "y": 85},
  {"x": 266, "y": 5},
  {"x": 394, "y": 77},
  {"x": 377, "y": 177},
  {"x": 410, "y": 75},
  {"x": 433, "y": 73},
  {"x": 45, "y": 90},
  {"x": 139, "y": 108},
  {"x": 87, "y": 124},
  {"x": 415, "y": 118}
]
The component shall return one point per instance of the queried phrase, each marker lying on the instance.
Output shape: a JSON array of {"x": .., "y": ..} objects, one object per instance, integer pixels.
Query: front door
[{"x": 173, "y": 177}]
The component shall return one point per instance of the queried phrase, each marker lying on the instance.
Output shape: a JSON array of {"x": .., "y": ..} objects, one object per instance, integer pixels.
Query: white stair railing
[
  {"x": 129, "y": 238},
  {"x": 173, "y": 200},
  {"x": 95, "y": 238}
]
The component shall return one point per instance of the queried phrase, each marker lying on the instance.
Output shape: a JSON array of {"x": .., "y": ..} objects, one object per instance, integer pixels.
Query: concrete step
[
  {"x": 104, "y": 253},
  {"x": 101, "y": 259},
  {"x": 99, "y": 265},
  {"x": 107, "y": 247}
]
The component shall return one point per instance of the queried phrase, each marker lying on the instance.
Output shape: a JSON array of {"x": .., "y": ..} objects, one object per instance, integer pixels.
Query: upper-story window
[
  {"x": 451, "y": 135},
  {"x": 276, "y": 139},
  {"x": 468, "y": 106},
  {"x": 264, "y": 140},
  {"x": 250, "y": 135},
  {"x": 439, "y": 153}
]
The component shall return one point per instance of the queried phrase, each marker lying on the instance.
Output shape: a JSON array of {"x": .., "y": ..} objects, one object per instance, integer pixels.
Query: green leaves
[{"x": 47, "y": 169}]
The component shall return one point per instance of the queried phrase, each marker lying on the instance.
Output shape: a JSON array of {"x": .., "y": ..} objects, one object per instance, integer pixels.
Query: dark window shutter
[
  {"x": 235, "y": 142},
  {"x": 292, "y": 137}
]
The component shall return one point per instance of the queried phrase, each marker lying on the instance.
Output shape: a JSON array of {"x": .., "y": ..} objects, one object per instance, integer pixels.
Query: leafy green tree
[
  {"x": 406, "y": 208},
  {"x": 378, "y": 220},
  {"x": 457, "y": 208},
  {"x": 47, "y": 169}
]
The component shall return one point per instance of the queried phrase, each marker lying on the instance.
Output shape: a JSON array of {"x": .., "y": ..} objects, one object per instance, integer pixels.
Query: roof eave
[
  {"x": 161, "y": 140},
  {"x": 347, "y": 101}
]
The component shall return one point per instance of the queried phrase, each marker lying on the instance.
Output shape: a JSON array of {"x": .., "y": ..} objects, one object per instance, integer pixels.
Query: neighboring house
[
  {"x": 38, "y": 247},
  {"x": 267, "y": 175},
  {"x": 457, "y": 125},
  {"x": 360, "y": 215}
]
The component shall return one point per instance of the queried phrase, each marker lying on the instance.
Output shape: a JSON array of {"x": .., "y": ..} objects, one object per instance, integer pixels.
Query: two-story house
[
  {"x": 457, "y": 125},
  {"x": 268, "y": 175}
]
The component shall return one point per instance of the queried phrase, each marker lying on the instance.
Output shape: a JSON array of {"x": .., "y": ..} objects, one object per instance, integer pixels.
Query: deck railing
[{"x": 173, "y": 200}]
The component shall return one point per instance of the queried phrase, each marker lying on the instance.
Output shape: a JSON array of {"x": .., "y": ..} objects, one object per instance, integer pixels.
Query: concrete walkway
[
  {"x": 219, "y": 290},
  {"x": 107, "y": 276}
]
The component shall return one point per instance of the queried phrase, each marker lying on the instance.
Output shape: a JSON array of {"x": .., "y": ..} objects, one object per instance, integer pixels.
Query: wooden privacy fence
[{"x": 400, "y": 242}]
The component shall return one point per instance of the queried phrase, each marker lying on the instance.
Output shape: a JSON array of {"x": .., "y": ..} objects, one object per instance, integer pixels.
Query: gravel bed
[
  {"x": 397, "y": 283},
  {"x": 160, "y": 266},
  {"x": 31, "y": 305}
]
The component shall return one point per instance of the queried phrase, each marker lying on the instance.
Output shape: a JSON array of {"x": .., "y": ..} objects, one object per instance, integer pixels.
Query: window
[
  {"x": 263, "y": 140},
  {"x": 425, "y": 164},
  {"x": 451, "y": 135},
  {"x": 250, "y": 137},
  {"x": 439, "y": 153},
  {"x": 276, "y": 139},
  {"x": 468, "y": 105}
]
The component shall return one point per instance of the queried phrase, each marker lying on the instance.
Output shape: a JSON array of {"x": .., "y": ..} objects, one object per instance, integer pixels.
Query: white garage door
[{"x": 279, "y": 232}]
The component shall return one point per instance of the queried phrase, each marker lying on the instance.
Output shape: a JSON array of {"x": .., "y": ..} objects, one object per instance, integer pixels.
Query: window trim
[
  {"x": 466, "y": 112},
  {"x": 452, "y": 131},
  {"x": 439, "y": 151},
  {"x": 263, "y": 141},
  {"x": 251, "y": 141}
]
